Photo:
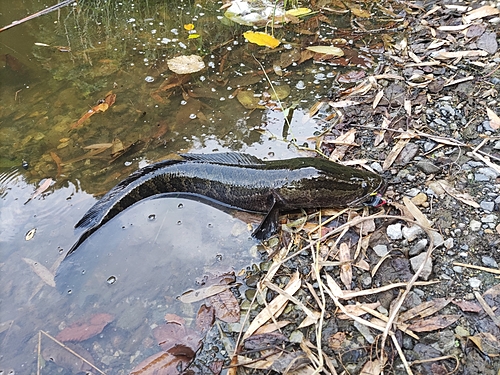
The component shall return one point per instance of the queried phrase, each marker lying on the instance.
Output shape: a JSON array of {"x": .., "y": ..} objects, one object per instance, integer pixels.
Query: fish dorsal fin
[{"x": 226, "y": 158}]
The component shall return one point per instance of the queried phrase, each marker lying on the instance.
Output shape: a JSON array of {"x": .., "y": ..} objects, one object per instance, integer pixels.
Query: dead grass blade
[{"x": 487, "y": 308}]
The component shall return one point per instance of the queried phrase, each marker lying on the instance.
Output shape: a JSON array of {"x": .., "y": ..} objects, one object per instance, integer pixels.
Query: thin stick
[
  {"x": 39, "y": 350},
  {"x": 72, "y": 352},
  {"x": 38, "y": 14}
]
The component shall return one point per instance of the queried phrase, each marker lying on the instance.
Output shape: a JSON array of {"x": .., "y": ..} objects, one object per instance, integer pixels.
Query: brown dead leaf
[
  {"x": 343, "y": 143},
  {"x": 85, "y": 328},
  {"x": 416, "y": 213},
  {"x": 205, "y": 318},
  {"x": 487, "y": 343},
  {"x": 41, "y": 271},
  {"x": 462, "y": 197},
  {"x": 44, "y": 186},
  {"x": 161, "y": 363},
  {"x": 275, "y": 306},
  {"x": 494, "y": 119},
  {"x": 345, "y": 265},
  {"x": 65, "y": 359},
  {"x": 396, "y": 150},
  {"x": 101, "y": 106},
  {"x": 434, "y": 323},
  {"x": 424, "y": 309},
  {"x": 336, "y": 340},
  {"x": 177, "y": 339},
  {"x": 226, "y": 306},
  {"x": 200, "y": 294},
  {"x": 374, "y": 367},
  {"x": 468, "y": 306}
]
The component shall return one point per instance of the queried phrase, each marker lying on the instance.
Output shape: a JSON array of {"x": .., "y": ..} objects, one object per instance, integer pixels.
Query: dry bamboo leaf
[
  {"x": 327, "y": 50},
  {"x": 200, "y": 294},
  {"x": 487, "y": 343},
  {"x": 343, "y": 142},
  {"x": 453, "y": 28},
  {"x": 343, "y": 103},
  {"x": 345, "y": 265},
  {"x": 482, "y": 12},
  {"x": 44, "y": 186},
  {"x": 434, "y": 323},
  {"x": 98, "y": 146},
  {"x": 416, "y": 213},
  {"x": 494, "y": 119},
  {"x": 41, "y": 271},
  {"x": 271, "y": 327},
  {"x": 462, "y": 197},
  {"x": 372, "y": 368},
  {"x": 424, "y": 309},
  {"x": 274, "y": 306},
  {"x": 377, "y": 99},
  {"x": 226, "y": 306},
  {"x": 157, "y": 364},
  {"x": 445, "y": 55},
  {"x": 358, "y": 309},
  {"x": 334, "y": 287},
  {"x": 396, "y": 150}
]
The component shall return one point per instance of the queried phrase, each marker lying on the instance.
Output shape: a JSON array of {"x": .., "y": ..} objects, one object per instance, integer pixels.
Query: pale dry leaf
[
  {"x": 41, "y": 271},
  {"x": 274, "y": 306},
  {"x": 494, "y": 119},
  {"x": 226, "y": 306},
  {"x": 462, "y": 197},
  {"x": 186, "y": 64},
  {"x": 424, "y": 309},
  {"x": 445, "y": 55},
  {"x": 372, "y": 367},
  {"x": 433, "y": 324},
  {"x": 202, "y": 293},
  {"x": 345, "y": 265},
  {"x": 377, "y": 98},
  {"x": 334, "y": 287},
  {"x": 343, "y": 142},
  {"x": 327, "y": 50},
  {"x": 271, "y": 327},
  {"x": 343, "y": 103},
  {"x": 453, "y": 28},
  {"x": 482, "y": 12},
  {"x": 416, "y": 213},
  {"x": 393, "y": 154}
]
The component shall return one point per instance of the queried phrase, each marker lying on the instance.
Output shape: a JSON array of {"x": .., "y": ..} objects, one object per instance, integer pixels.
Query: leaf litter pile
[{"x": 410, "y": 288}]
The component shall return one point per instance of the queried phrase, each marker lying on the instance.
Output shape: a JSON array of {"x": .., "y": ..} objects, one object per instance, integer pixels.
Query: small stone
[
  {"x": 436, "y": 188},
  {"x": 427, "y": 167},
  {"x": 489, "y": 261},
  {"x": 419, "y": 199},
  {"x": 296, "y": 337},
  {"x": 490, "y": 172},
  {"x": 412, "y": 192},
  {"x": 429, "y": 146},
  {"x": 448, "y": 243},
  {"x": 437, "y": 238},
  {"x": 480, "y": 177},
  {"x": 491, "y": 218},
  {"x": 474, "y": 225},
  {"x": 418, "y": 247},
  {"x": 377, "y": 167},
  {"x": 412, "y": 233},
  {"x": 394, "y": 231},
  {"x": 381, "y": 250},
  {"x": 462, "y": 332},
  {"x": 457, "y": 269},
  {"x": 487, "y": 205},
  {"x": 417, "y": 261},
  {"x": 474, "y": 282},
  {"x": 365, "y": 331},
  {"x": 366, "y": 280}
]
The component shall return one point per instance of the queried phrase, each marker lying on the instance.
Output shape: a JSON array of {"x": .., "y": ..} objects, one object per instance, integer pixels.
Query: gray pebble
[
  {"x": 489, "y": 261},
  {"x": 418, "y": 247},
  {"x": 480, "y": 177},
  {"x": 427, "y": 167},
  {"x": 490, "y": 172},
  {"x": 474, "y": 282},
  {"x": 417, "y": 261},
  {"x": 411, "y": 233},
  {"x": 491, "y": 218},
  {"x": 430, "y": 145},
  {"x": 437, "y": 238},
  {"x": 377, "y": 167},
  {"x": 487, "y": 205},
  {"x": 394, "y": 231},
  {"x": 497, "y": 145},
  {"x": 457, "y": 269},
  {"x": 412, "y": 192},
  {"x": 381, "y": 250},
  {"x": 475, "y": 164},
  {"x": 474, "y": 225}
]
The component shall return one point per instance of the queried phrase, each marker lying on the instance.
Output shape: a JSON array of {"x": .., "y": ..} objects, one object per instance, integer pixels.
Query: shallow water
[{"x": 57, "y": 67}]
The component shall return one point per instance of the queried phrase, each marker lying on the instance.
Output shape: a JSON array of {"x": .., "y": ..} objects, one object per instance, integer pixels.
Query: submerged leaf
[
  {"x": 261, "y": 39},
  {"x": 85, "y": 328},
  {"x": 328, "y": 50},
  {"x": 186, "y": 64},
  {"x": 41, "y": 271}
]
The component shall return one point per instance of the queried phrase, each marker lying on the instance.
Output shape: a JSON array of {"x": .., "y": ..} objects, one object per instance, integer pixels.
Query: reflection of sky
[{"x": 156, "y": 250}]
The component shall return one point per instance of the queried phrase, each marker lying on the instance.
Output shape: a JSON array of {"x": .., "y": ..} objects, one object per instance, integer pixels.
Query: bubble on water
[
  {"x": 179, "y": 222},
  {"x": 83, "y": 272},
  {"x": 70, "y": 291},
  {"x": 192, "y": 116},
  {"x": 210, "y": 225},
  {"x": 180, "y": 205},
  {"x": 111, "y": 280},
  {"x": 152, "y": 217},
  {"x": 149, "y": 79},
  {"x": 218, "y": 257},
  {"x": 127, "y": 163}
]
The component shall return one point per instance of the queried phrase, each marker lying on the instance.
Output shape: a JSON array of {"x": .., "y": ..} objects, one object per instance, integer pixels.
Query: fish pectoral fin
[{"x": 269, "y": 225}]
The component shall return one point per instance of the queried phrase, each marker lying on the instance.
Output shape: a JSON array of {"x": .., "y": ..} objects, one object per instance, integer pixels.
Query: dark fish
[{"x": 243, "y": 182}]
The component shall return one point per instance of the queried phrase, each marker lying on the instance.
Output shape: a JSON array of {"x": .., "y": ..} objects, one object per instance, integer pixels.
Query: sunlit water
[{"x": 57, "y": 67}]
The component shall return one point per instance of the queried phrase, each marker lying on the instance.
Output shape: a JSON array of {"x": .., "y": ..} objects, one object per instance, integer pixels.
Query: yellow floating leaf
[
  {"x": 328, "y": 50},
  {"x": 189, "y": 26},
  {"x": 297, "y": 12},
  {"x": 261, "y": 39},
  {"x": 193, "y": 36}
]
